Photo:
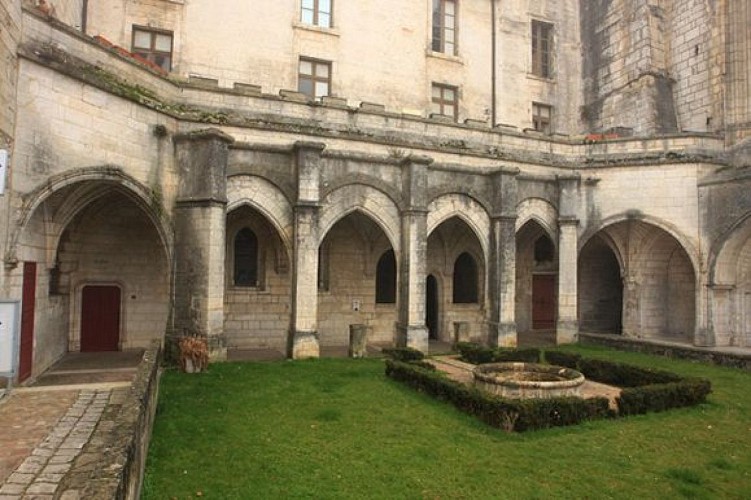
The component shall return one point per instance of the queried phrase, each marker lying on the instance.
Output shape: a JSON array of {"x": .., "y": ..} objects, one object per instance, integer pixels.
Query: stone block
[
  {"x": 358, "y": 340},
  {"x": 305, "y": 345}
]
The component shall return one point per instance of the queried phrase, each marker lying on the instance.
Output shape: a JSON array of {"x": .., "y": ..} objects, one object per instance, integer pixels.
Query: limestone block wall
[
  {"x": 738, "y": 70},
  {"x": 625, "y": 73},
  {"x": 517, "y": 86},
  {"x": 696, "y": 62}
]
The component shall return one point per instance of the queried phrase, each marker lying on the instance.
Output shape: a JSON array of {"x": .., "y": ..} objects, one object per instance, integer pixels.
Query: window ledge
[
  {"x": 444, "y": 57},
  {"x": 532, "y": 76},
  {"x": 315, "y": 29}
]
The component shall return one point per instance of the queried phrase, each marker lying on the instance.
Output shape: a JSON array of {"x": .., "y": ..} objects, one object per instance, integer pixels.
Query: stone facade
[{"x": 220, "y": 201}]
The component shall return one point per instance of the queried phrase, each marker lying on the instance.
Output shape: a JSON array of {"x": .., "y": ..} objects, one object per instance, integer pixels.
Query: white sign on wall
[
  {"x": 3, "y": 169},
  {"x": 9, "y": 322}
]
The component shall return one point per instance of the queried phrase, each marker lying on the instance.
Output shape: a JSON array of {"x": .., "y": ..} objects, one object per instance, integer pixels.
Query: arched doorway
[
  {"x": 658, "y": 293},
  {"x": 432, "y": 308},
  {"x": 101, "y": 259},
  {"x": 257, "y": 282},
  {"x": 600, "y": 299},
  {"x": 356, "y": 282},
  {"x": 457, "y": 266},
  {"x": 536, "y": 279}
]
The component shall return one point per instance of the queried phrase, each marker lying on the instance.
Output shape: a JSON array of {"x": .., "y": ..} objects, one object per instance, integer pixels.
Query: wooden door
[
  {"x": 543, "y": 301},
  {"x": 100, "y": 318},
  {"x": 28, "y": 306}
]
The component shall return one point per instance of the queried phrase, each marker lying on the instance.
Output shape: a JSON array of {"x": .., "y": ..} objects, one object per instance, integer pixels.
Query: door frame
[
  {"x": 554, "y": 275},
  {"x": 437, "y": 312},
  {"x": 74, "y": 342}
]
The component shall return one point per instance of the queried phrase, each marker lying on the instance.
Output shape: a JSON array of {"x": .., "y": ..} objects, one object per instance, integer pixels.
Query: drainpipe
[
  {"x": 493, "y": 62},
  {"x": 84, "y": 15}
]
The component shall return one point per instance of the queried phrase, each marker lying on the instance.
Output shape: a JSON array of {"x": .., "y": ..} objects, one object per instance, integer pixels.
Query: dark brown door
[
  {"x": 543, "y": 301},
  {"x": 27, "y": 320},
  {"x": 100, "y": 318}
]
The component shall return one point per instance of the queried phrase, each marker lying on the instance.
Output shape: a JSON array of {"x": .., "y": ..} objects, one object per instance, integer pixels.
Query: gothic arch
[
  {"x": 368, "y": 200},
  {"x": 465, "y": 208},
  {"x": 76, "y": 190},
  {"x": 267, "y": 199},
  {"x": 684, "y": 242},
  {"x": 541, "y": 211}
]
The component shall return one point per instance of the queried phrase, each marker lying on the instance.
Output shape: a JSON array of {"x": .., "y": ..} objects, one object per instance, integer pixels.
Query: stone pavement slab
[{"x": 26, "y": 419}]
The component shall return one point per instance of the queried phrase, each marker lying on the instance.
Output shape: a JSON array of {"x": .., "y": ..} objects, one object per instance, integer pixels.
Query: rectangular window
[
  {"x": 153, "y": 45},
  {"x": 542, "y": 118},
  {"x": 444, "y": 26},
  {"x": 542, "y": 49},
  {"x": 314, "y": 78},
  {"x": 444, "y": 100},
  {"x": 316, "y": 12}
]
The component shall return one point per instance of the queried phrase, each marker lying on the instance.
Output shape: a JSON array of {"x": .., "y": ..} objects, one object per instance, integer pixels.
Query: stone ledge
[
  {"x": 669, "y": 350},
  {"x": 111, "y": 463}
]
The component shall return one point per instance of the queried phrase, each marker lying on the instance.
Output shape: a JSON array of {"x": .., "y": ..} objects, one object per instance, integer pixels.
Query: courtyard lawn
[{"x": 337, "y": 428}]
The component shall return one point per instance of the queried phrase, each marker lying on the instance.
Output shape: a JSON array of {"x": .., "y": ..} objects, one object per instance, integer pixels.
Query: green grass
[{"x": 337, "y": 428}]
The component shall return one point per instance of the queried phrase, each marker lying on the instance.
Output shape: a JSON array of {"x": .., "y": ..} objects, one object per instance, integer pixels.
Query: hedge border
[
  {"x": 507, "y": 414},
  {"x": 643, "y": 390}
]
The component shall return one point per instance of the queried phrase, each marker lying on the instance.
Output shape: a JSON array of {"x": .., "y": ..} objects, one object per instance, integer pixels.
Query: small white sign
[
  {"x": 8, "y": 337},
  {"x": 3, "y": 169}
]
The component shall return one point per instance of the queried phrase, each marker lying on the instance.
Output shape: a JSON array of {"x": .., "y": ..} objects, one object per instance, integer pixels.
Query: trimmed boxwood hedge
[
  {"x": 508, "y": 414},
  {"x": 403, "y": 354},
  {"x": 477, "y": 354},
  {"x": 644, "y": 389}
]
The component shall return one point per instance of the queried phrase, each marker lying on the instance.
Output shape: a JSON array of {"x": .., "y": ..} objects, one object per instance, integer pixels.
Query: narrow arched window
[
  {"x": 246, "y": 258},
  {"x": 465, "y": 279},
  {"x": 386, "y": 279},
  {"x": 544, "y": 250}
]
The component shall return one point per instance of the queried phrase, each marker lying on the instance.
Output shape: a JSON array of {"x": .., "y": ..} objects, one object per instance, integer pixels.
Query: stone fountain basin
[{"x": 527, "y": 380}]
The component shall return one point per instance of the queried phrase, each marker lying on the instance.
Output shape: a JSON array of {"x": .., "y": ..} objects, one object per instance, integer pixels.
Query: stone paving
[{"x": 39, "y": 475}]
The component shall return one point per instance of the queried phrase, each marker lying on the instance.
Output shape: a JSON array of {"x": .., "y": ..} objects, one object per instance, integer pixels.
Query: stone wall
[{"x": 111, "y": 464}]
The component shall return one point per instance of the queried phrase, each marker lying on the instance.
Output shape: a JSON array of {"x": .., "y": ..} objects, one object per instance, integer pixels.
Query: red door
[
  {"x": 27, "y": 320},
  {"x": 100, "y": 318},
  {"x": 543, "y": 301}
]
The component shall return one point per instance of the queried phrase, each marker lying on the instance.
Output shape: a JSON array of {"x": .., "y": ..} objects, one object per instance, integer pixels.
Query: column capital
[{"x": 568, "y": 220}]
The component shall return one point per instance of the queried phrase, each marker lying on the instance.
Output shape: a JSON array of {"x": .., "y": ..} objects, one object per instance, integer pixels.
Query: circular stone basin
[{"x": 528, "y": 380}]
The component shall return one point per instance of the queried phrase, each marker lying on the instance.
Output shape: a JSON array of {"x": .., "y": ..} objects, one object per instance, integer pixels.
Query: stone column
[
  {"x": 200, "y": 216},
  {"x": 631, "y": 308},
  {"x": 502, "y": 269},
  {"x": 567, "y": 324},
  {"x": 303, "y": 335},
  {"x": 411, "y": 329}
]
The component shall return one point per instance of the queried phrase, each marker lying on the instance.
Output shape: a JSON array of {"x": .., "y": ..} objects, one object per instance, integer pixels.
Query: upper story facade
[{"x": 496, "y": 62}]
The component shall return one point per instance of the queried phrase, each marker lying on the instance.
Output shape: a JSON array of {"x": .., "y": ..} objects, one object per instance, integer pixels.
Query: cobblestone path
[{"x": 39, "y": 475}]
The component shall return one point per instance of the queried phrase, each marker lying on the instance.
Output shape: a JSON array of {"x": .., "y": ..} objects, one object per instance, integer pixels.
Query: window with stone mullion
[
  {"x": 444, "y": 26},
  {"x": 316, "y": 12}
]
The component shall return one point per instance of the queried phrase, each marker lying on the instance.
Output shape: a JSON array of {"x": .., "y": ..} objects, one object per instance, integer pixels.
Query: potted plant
[{"x": 194, "y": 354}]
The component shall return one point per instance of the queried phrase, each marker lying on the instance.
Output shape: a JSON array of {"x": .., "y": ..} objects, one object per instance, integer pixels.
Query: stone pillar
[
  {"x": 411, "y": 329},
  {"x": 303, "y": 335},
  {"x": 567, "y": 324},
  {"x": 502, "y": 270},
  {"x": 200, "y": 216},
  {"x": 631, "y": 308}
]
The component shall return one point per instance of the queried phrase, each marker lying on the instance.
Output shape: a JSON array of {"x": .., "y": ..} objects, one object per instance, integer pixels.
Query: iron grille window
[
  {"x": 542, "y": 49},
  {"x": 316, "y": 12},
  {"x": 542, "y": 118},
  {"x": 465, "y": 279},
  {"x": 314, "y": 78},
  {"x": 246, "y": 258},
  {"x": 153, "y": 45},
  {"x": 386, "y": 279},
  {"x": 444, "y": 100},
  {"x": 444, "y": 26}
]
